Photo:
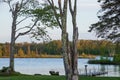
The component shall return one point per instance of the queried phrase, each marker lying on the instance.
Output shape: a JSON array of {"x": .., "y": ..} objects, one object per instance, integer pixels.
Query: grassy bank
[{"x": 27, "y": 77}]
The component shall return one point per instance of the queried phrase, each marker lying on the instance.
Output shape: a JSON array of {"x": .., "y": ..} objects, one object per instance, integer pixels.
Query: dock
[{"x": 94, "y": 74}]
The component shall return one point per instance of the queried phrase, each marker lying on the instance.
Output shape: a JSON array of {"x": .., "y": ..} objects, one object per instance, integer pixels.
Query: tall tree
[
  {"x": 108, "y": 25},
  {"x": 20, "y": 12},
  {"x": 74, "y": 52},
  {"x": 69, "y": 50}
]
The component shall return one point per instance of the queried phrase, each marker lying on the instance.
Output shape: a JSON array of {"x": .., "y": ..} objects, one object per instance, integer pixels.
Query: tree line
[{"x": 94, "y": 47}]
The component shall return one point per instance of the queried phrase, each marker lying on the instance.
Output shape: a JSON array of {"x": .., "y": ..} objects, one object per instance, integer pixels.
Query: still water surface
[{"x": 44, "y": 65}]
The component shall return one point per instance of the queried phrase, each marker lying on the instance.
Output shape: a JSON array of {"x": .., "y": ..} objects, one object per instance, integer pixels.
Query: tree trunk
[
  {"x": 12, "y": 48},
  {"x": 75, "y": 57},
  {"x": 66, "y": 56},
  {"x": 12, "y": 56},
  {"x": 12, "y": 44},
  {"x": 69, "y": 51},
  {"x": 65, "y": 43},
  {"x": 74, "y": 42}
]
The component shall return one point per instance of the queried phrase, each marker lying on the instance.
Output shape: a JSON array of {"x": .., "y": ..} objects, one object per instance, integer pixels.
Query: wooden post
[{"x": 86, "y": 70}]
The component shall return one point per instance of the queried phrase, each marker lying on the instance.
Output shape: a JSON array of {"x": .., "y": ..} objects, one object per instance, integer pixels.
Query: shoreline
[{"x": 51, "y": 56}]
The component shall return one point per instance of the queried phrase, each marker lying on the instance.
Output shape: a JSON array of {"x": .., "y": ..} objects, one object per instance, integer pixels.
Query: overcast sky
[{"x": 86, "y": 15}]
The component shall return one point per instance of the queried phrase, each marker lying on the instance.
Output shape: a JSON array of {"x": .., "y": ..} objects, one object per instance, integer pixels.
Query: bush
[
  {"x": 54, "y": 73},
  {"x": 116, "y": 58},
  {"x": 5, "y": 71},
  {"x": 100, "y": 62}
]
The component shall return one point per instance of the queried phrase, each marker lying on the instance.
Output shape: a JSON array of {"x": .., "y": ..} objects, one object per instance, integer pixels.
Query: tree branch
[
  {"x": 21, "y": 34},
  {"x": 11, "y": 9},
  {"x": 21, "y": 20},
  {"x": 55, "y": 12},
  {"x": 70, "y": 7},
  {"x": 75, "y": 6},
  {"x": 22, "y": 28},
  {"x": 21, "y": 4},
  {"x": 60, "y": 8}
]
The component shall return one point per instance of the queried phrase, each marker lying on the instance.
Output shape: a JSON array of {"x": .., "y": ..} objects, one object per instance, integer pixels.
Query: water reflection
[{"x": 102, "y": 68}]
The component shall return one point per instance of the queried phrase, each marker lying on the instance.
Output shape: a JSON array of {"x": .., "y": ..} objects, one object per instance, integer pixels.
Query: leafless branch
[
  {"x": 22, "y": 28},
  {"x": 65, "y": 7},
  {"x": 73, "y": 11},
  {"x": 21, "y": 20},
  {"x": 60, "y": 9},
  {"x": 23, "y": 33},
  {"x": 75, "y": 6},
  {"x": 21, "y": 5},
  {"x": 70, "y": 6},
  {"x": 11, "y": 9}
]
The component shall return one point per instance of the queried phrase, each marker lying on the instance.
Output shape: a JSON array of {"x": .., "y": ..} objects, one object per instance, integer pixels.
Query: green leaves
[
  {"x": 40, "y": 33},
  {"x": 46, "y": 18},
  {"x": 45, "y": 15}
]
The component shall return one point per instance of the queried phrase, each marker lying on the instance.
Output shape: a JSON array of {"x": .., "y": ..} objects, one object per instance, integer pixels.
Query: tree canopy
[{"x": 108, "y": 26}]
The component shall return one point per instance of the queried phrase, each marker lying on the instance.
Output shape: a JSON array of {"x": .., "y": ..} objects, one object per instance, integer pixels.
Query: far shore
[{"x": 50, "y": 56}]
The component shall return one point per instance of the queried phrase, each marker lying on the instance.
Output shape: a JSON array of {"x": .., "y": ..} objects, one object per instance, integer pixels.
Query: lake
[{"x": 44, "y": 65}]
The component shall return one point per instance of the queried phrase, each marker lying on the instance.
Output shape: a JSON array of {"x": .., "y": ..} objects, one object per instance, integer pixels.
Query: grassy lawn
[{"x": 54, "y": 78}]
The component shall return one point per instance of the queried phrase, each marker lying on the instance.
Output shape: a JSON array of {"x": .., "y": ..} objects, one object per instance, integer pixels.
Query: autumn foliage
[{"x": 94, "y": 47}]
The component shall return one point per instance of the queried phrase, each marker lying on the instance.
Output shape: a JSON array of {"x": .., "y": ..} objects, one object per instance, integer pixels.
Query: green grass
[{"x": 28, "y": 77}]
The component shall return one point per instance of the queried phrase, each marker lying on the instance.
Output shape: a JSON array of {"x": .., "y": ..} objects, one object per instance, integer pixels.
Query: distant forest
[{"x": 94, "y": 47}]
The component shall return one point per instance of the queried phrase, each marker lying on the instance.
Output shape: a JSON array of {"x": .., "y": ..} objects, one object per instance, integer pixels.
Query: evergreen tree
[{"x": 108, "y": 25}]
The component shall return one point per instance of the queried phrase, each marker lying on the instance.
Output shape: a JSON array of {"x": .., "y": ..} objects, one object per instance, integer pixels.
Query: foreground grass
[{"x": 28, "y": 77}]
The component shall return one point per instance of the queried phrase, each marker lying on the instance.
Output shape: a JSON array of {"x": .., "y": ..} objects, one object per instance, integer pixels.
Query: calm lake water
[{"x": 44, "y": 65}]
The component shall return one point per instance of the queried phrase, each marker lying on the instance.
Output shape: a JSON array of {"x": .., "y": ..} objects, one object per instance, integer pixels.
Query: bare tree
[{"x": 69, "y": 50}]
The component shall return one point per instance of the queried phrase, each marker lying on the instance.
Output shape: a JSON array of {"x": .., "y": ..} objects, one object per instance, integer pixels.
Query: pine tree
[{"x": 108, "y": 25}]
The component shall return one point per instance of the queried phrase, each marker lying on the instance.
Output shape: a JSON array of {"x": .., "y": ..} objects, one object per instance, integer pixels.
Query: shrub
[
  {"x": 116, "y": 58},
  {"x": 54, "y": 73}
]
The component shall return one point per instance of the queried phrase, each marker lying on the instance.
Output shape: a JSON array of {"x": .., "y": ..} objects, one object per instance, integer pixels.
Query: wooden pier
[{"x": 94, "y": 74}]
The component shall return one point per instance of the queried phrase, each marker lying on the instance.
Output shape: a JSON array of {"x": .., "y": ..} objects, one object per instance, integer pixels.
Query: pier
[{"x": 94, "y": 74}]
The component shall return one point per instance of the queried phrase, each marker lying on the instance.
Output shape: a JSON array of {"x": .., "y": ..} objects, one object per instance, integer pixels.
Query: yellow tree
[
  {"x": 21, "y": 53},
  {"x": 0, "y": 51}
]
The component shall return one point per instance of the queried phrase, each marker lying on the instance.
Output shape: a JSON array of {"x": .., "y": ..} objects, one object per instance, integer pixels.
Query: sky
[{"x": 86, "y": 15}]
